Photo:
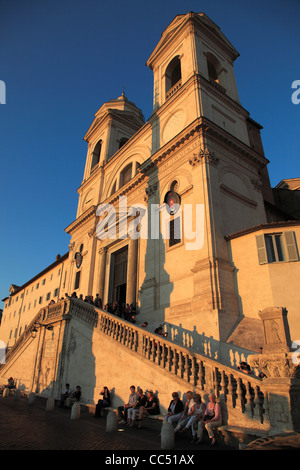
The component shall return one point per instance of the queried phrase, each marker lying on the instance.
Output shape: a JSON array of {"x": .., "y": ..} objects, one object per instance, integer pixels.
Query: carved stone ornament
[
  {"x": 150, "y": 190},
  {"x": 280, "y": 365},
  {"x": 257, "y": 184},
  {"x": 204, "y": 156}
]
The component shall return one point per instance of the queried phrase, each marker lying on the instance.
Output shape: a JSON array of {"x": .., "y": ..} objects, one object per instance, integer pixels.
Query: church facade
[{"x": 176, "y": 215}]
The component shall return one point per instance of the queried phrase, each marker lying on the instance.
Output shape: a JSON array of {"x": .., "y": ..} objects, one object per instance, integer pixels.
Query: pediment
[{"x": 201, "y": 20}]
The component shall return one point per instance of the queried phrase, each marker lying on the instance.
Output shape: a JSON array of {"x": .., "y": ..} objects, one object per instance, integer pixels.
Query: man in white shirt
[{"x": 122, "y": 410}]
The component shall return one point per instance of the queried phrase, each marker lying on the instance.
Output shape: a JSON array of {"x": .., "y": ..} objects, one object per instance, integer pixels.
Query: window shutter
[
  {"x": 261, "y": 249},
  {"x": 291, "y": 246}
]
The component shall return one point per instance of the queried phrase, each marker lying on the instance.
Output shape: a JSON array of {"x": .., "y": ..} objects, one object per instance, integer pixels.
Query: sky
[{"x": 60, "y": 60}]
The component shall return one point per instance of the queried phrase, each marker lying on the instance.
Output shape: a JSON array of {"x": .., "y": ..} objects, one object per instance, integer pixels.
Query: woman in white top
[
  {"x": 212, "y": 419},
  {"x": 196, "y": 413}
]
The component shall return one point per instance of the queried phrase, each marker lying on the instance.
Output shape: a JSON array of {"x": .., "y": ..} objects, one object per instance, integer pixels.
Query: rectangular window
[
  {"x": 276, "y": 247},
  {"x": 77, "y": 280},
  {"x": 48, "y": 296},
  {"x": 175, "y": 232}
]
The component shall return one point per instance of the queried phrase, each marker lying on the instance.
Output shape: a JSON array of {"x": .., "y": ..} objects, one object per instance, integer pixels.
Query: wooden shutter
[
  {"x": 261, "y": 249},
  {"x": 291, "y": 246}
]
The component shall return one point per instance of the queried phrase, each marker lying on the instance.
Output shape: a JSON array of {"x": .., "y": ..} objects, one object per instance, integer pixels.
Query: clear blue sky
[{"x": 62, "y": 59}]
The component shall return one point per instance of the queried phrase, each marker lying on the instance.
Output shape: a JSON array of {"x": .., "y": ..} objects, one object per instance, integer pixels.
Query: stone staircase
[{"x": 243, "y": 398}]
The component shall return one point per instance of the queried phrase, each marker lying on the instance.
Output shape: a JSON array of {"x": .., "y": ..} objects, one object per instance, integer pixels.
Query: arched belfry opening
[
  {"x": 173, "y": 73},
  {"x": 96, "y": 154},
  {"x": 214, "y": 69}
]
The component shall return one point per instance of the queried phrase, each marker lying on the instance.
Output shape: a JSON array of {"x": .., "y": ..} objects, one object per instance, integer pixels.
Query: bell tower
[
  {"x": 193, "y": 54},
  {"x": 114, "y": 123},
  {"x": 213, "y": 151}
]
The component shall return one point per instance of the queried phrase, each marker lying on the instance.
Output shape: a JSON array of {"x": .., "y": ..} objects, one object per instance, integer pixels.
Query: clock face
[{"x": 78, "y": 259}]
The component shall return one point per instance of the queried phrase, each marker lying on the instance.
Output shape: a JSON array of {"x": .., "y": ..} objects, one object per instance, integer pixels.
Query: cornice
[
  {"x": 256, "y": 228},
  {"x": 91, "y": 211}
]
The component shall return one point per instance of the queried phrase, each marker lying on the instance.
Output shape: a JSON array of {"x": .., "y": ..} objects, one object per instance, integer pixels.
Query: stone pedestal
[
  {"x": 111, "y": 422},
  {"x": 275, "y": 329},
  {"x": 50, "y": 405},
  {"x": 167, "y": 436},
  {"x": 281, "y": 387},
  {"x": 31, "y": 398},
  {"x": 281, "y": 372},
  {"x": 75, "y": 411}
]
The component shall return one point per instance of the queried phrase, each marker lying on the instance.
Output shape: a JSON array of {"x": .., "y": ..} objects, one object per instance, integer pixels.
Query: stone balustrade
[
  {"x": 243, "y": 397},
  {"x": 245, "y": 393}
]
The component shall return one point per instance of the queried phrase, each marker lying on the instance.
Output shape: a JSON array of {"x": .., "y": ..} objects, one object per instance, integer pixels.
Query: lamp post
[{"x": 39, "y": 325}]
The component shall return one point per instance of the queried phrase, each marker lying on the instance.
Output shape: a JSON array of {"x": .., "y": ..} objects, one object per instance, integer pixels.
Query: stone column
[
  {"x": 131, "y": 271},
  {"x": 101, "y": 275}
]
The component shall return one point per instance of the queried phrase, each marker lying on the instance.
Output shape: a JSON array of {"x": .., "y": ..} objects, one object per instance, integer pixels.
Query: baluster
[
  {"x": 128, "y": 338},
  {"x": 114, "y": 330},
  {"x": 135, "y": 343},
  {"x": 223, "y": 394},
  {"x": 143, "y": 345},
  {"x": 193, "y": 377},
  {"x": 180, "y": 365},
  {"x": 266, "y": 409},
  {"x": 153, "y": 350},
  {"x": 216, "y": 381},
  {"x": 174, "y": 361},
  {"x": 118, "y": 328},
  {"x": 149, "y": 347},
  {"x": 168, "y": 364},
  {"x": 248, "y": 397},
  {"x": 257, "y": 404},
  {"x": 231, "y": 393},
  {"x": 240, "y": 403},
  {"x": 158, "y": 353},
  {"x": 186, "y": 372},
  {"x": 201, "y": 374},
  {"x": 124, "y": 334}
]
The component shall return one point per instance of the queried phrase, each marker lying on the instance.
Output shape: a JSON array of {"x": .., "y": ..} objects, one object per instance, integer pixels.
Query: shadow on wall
[
  {"x": 66, "y": 357},
  {"x": 155, "y": 291},
  {"x": 206, "y": 345}
]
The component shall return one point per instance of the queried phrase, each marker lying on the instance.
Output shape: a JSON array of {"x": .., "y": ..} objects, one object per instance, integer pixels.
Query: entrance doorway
[{"x": 120, "y": 259}]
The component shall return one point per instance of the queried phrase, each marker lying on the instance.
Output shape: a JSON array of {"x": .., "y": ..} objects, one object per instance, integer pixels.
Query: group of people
[
  {"x": 195, "y": 415},
  {"x": 139, "y": 405},
  {"x": 68, "y": 397},
  {"x": 128, "y": 312}
]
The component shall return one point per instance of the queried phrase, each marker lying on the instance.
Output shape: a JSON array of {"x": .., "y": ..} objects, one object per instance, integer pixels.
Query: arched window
[
  {"x": 96, "y": 154},
  {"x": 126, "y": 175},
  {"x": 174, "y": 186},
  {"x": 173, "y": 73}
]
